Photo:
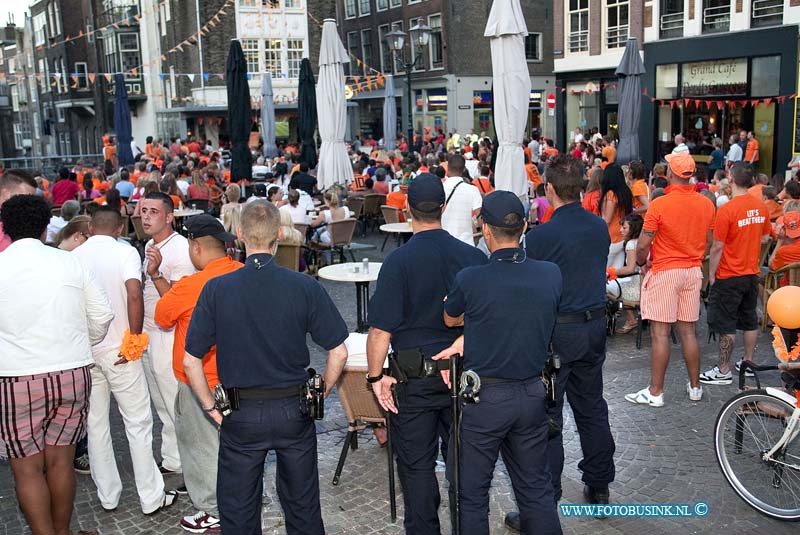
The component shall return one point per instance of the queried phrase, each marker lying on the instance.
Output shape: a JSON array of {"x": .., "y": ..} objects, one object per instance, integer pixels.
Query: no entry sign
[{"x": 551, "y": 101}]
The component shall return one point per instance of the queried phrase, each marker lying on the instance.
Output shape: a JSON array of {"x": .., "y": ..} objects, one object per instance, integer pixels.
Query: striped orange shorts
[{"x": 672, "y": 295}]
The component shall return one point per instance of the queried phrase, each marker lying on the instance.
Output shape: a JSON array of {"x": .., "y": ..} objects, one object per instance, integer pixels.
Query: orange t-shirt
[
  {"x": 175, "y": 309},
  {"x": 740, "y": 224},
  {"x": 681, "y": 220},
  {"x": 639, "y": 189},
  {"x": 552, "y": 151},
  {"x": 614, "y": 230},
  {"x": 785, "y": 255},
  {"x": 547, "y": 215},
  {"x": 533, "y": 174},
  {"x": 590, "y": 202},
  {"x": 397, "y": 199},
  {"x": 750, "y": 151},
  {"x": 756, "y": 192},
  {"x": 527, "y": 152},
  {"x": 775, "y": 209},
  {"x": 610, "y": 153},
  {"x": 484, "y": 185},
  {"x": 176, "y": 201}
]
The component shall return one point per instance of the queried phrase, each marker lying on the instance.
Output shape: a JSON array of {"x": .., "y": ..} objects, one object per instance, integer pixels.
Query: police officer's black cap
[
  {"x": 426, "y": 193},
  {"x": 499, "y": 204},
  {"x": 207, "y": 225}
]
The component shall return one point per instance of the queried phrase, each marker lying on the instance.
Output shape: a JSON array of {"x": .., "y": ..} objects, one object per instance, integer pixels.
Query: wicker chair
[
  {"x": 361, "y": 408},
  {"x": 288, "y": 256},
  {"x": 371, "y": 213},
  {"x": 390, "y": 215},
  {"x": 773, "y": 281},
  {"x": 341, "y": 233}
]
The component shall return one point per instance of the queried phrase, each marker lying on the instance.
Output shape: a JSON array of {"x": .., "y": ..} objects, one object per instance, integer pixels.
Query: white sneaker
[
  {"x": 644, "y": 397},
  {"x": 747, "y": 373},
  {"x": 716, "y": 377},
  {"x": 201, "y": 522},
  {"x": 695, "y": 394}
]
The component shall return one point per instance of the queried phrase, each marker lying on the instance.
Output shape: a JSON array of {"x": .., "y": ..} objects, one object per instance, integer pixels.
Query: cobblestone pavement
[{"x": 664, "y": 455}]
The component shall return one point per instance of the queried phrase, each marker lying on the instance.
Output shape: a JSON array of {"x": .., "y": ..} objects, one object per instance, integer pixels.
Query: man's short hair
[
  {"x": 15, "y": 177},
  {"x": 513, "y": 231},
  {"x": 163, "y": 197},
  {"x": 368, "y": 183},
  {"x": 25, "y": 216},
  {"x": 124, "y": 174},
  {"x": 565, "y": 173},
  {"x": 769, "y": 192},
  {"x": 70, "y": 209},
  {"x": 432, "y": 216},
  {"x": 63, "y": 173},
  {"x": 455, "y": 165},
  {"x": 260, "y": 221},
  {"x": 660, "y": 182},
  {"x": 793, "y": 189},
  {"x": 637, "y": 169},
  {"x": 742, "y": 175},
  {"x": 106, "y": 218},
  {"x": 303, "y": 167}
]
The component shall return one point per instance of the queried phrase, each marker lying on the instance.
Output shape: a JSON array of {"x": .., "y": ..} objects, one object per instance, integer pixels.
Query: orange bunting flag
[
  {"x": 127, "y": 22},
  {"x": 356, "y": 79},
  {"x": 135, "y": 71},
  {"x": 107, "y": 77},
  {"x": 163, "y": 57},
  {"x": 91, "y": 77}
]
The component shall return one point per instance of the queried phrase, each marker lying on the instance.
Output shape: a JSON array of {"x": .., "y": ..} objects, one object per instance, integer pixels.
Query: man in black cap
[
  {"x": 197, "y": 433},
  {"x": 406, "y": 310},
  {"x": 262, "y": 365},
  {"x": 518, "y": 297}
]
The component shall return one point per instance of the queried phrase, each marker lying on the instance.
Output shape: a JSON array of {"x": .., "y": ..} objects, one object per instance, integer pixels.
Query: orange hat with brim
[
  {"x": 682, "y": 164},
  {"x": 791, "y": 224}
]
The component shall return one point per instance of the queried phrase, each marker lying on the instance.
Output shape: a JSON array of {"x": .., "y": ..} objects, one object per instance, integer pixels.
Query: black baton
[{"x": 456, "y": 445}]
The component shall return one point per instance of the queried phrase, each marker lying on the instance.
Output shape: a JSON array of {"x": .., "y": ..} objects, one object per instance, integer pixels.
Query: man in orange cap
[{"x": 679, "y": 227}]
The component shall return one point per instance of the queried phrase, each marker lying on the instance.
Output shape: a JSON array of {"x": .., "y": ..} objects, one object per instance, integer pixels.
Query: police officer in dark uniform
[
  {"x": 577, "y": 242},
  {"x": 258, "y": 318},
  {"x": 508, "y": 308},
  {"x": 406, "y": 310}
]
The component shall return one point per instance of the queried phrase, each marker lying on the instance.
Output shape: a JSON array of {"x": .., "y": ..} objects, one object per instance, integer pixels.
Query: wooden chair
[
  {"x": 303, "y": 228},
  {"x": 288, "y": 256},
  {"x": 390, "y": 215},
  {"x": 371, "y": 213},
  {"x": 138, "y": 228},
  {"x": 773, "y": 281},
  {"x": 361, "y": 409},
  {"x": 126, "y": 222},
  {"x": 355, "y": 205}
]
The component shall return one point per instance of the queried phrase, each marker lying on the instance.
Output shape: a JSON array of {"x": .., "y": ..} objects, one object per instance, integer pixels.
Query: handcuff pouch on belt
[
  {"x": 411, "y": 363},
  {"x": 311, "y": 396},
  {"x": 549, "y": 373}
]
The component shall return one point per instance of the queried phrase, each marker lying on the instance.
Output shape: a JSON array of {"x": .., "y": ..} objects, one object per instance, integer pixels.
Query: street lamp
[{"x": 420, "y": 34}]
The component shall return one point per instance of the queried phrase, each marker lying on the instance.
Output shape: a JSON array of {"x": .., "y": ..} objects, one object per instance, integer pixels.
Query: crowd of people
[{"x": 166, "y": 324}]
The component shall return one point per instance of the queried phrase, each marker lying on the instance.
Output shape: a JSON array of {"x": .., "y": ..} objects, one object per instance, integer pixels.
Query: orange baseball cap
[
  {"x": 791, "y": 224},
  {"x": 682, "y": 164}
]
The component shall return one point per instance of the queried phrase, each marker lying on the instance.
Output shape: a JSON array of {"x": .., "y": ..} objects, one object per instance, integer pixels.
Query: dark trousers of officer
[
  {"x": 423, "y": 417},
  {"x": 246, "y": 436},
  {"x": 509, "y": 419},
  {"x": 582, "y": 349}
]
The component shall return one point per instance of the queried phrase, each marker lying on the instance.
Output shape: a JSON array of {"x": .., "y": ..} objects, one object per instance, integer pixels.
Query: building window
[
  {"x": 435, "y": 43},
  {"x": 766, "y": 13},
  {"x": 272, "y": 4},
  {"x": 766, "y": 76},
  {"x": 381, "y": 5},
  {"x": 363, "y": 7},
  {"x": 396, "y": 3},
  {"x": 63, "y": 143},
  {"x": 60, "y": 115},
  {"x": 51, "y": 28},
  {"x": 36, "y": 129},
  {"x": 294, "y": 55},
  {"x": 82, "y": 82},
  {"x": 671, "y": 21},
  {"x": 291, "y": 4},
  {"x": 250, "y": 50},
  {"x": 15, "y": 98},
  {"x": 414, "y": 50},
  {"x": 398, "y": 57},
  {"x": 57, "y": 16},
  {"x": 39, "y": 28},
  {"x": 617, "y": 33},
  {"x": 716, "y": 16},
  {"x": 272, "y": 56},
  {"x": 64, "y": 78},
  {"x": 42, "y": 76},
  {"x": 17, "y": 136},
  {"x": 349, "y": 9},
  {"x": 129, "y": 53},
  {"x": 578, "y": 25},
  {"x": 90, "y": 33},
  {"x": 352, "y": 48},
  {"x": 533, "y": 47},
  {"x": 366, "y": 47},
  {"x": 386, "y": 54}
]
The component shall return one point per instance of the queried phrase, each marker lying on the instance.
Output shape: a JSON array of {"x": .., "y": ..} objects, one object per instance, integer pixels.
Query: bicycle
[{"x": 757, "y": 442}]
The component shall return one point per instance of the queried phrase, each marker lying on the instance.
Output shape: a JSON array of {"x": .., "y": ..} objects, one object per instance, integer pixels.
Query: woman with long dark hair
[{"x": 616, "y": 202}]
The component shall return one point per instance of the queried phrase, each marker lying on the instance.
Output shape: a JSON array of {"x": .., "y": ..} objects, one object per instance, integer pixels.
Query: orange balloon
[{"x": 784, "y": 307}]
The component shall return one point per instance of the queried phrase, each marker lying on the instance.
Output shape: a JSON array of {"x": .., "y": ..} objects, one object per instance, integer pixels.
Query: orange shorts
[{"x": 672, "y": 295}]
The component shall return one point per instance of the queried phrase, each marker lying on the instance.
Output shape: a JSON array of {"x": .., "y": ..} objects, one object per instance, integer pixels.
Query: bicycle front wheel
[{"x": 748, "y": 426}]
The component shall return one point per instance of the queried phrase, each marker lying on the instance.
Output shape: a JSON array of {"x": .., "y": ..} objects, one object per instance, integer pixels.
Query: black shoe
[
  {"x": 182, "y": 490},
  {"x": 512, "y": 521},
  {"x": 81, "y": 465},
  {"x": 167, "y": 471},
  {"x": 596, "y": 495}
]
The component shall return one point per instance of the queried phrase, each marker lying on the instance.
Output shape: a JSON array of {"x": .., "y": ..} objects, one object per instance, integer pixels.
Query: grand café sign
[{"x": 724, "y": 77}]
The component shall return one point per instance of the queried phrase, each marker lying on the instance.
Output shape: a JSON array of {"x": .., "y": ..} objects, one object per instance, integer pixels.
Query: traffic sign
[{"x": 551, "y": 101}]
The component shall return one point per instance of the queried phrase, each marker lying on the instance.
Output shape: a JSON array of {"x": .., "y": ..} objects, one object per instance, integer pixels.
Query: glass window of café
[
  {"x": 430, "y": 109},
  {"x": 591, "y": 105},
  {"x": 482, "y": 112},
  {"x": 709, "y": 97}
]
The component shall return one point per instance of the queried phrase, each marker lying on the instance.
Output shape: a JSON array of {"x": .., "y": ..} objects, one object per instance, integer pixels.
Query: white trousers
[
  {"x": 127, "y": 383},
  {"x": 163, "y": 390}
]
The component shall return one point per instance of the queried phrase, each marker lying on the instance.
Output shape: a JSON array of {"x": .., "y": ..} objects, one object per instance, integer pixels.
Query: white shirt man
[
  {"x": 472, "y": 165},
  {"x": 118, "y": 270},
  {"x": 680, "y": 145},
  {"x": 535, "y": 150},
  {"x": 166, "y": 261},
  {"x": 463, "y": 202},
  {"x": 734, "y": 153}
]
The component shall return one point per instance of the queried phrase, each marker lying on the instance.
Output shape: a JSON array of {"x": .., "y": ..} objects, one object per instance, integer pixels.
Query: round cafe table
[
  {"x": 186, "y": 212},
  {"x": 345, "y": 273},
  {"x": 400, "y": 229}
]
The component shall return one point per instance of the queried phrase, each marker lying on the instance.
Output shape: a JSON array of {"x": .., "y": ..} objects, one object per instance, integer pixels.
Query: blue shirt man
[
  {"x": 577, "y": 242},
  {"x": 406, "y": 310},
  {"x": 265, "y": 361},
  {"x": 125, "y": 187},
  {"x": 508, "y": 308}
]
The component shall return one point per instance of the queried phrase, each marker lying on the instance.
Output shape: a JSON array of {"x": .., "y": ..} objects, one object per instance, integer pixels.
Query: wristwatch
[
  {"x": 157, "y": 277},
  {"x": 372, "y": 380}
]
